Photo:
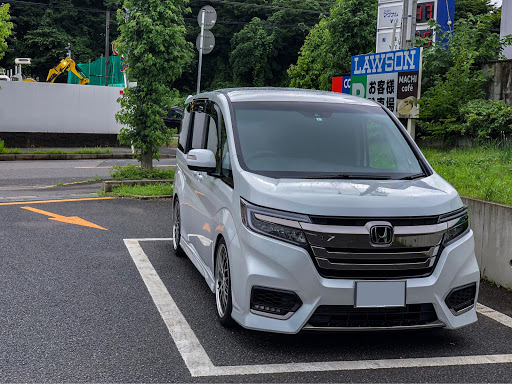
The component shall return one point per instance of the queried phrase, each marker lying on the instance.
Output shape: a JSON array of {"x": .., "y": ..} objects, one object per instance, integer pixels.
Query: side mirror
[{"x": 202, "y": 160}]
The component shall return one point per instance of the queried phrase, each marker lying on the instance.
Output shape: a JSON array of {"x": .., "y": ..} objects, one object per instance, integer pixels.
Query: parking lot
[{"x": 92, "y": 292}]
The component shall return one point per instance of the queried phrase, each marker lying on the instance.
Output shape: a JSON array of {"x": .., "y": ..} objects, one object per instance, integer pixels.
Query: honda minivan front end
[{"x": 329, "y": 219}]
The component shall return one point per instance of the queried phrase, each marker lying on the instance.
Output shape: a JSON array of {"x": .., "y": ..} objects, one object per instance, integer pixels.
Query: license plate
[{"x": 375, "y": 294}]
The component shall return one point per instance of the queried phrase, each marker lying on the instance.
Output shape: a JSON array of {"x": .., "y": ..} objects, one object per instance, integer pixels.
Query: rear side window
[
  {"x": 184, "y": 130},
  {"x": 198, "y": 132}
]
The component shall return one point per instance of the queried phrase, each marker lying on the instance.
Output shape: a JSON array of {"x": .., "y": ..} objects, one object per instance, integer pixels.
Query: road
[
  {"x": 34, "y": 179},
  {"x": 110, "y": 302}
]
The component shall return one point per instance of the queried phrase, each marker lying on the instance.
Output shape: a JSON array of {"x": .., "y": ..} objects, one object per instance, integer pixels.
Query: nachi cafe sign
[{"x": 390, "y": 78}]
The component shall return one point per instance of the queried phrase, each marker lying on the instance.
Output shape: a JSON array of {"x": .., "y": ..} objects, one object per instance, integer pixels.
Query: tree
[
  {"x": 473, "y": 7},
  {"x": 454, "y": 68},
  {"x": 153, "y": 42},
  {"x": 43, "y": 33},
  {"x": 253, "y": 55},
  {"x": 5, "y": 27},
  {"x": 349, "y": 30}
]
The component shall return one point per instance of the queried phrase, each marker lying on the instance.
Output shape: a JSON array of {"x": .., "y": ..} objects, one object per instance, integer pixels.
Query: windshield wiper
[{"x": 413, "y": 176}]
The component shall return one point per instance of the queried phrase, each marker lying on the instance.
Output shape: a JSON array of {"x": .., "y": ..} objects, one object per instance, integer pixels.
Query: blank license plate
[{"x": 372, "y": 294}]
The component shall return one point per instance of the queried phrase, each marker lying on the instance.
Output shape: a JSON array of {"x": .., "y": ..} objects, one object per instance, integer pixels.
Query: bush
[
  {"x": 2, "y": 149},
  {"x": 484, "y": 119},
  {"x": 136, "y": 172}
]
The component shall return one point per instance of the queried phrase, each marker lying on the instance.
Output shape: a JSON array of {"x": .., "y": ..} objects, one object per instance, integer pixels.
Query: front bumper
[{"x": 257, "y": 260}]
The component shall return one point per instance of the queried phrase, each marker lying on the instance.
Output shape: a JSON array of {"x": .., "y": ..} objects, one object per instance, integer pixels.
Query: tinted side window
[
  {"x": 213, "y": 138},
  {"x": 184, "y": 130},
  {"x": 224, "y": 166},
  {"x": 199, "y": 130}
]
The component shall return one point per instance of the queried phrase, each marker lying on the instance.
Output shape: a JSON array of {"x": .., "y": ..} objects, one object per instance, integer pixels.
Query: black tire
[
  {"x": 176, "y": 229},
  {"x": 223, "y": 298}
]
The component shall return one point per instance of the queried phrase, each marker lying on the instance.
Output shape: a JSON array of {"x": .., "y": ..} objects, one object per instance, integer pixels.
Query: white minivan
[{"x": 309, "y": 210}]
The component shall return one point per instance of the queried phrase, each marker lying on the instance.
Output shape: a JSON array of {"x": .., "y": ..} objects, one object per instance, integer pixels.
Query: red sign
[{"x": 337, "y": 84}]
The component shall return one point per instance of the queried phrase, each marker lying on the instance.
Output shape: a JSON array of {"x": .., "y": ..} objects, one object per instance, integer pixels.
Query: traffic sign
[
  {"x": 208, "y": 42},
  {"x": 210, "y": 17}
]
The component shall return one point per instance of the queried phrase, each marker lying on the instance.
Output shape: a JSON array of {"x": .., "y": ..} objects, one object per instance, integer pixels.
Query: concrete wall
[
  {"x": 58, "y": 108},
  {"x": 492, "y": 226},
  {"x": 500, "y": 87}
]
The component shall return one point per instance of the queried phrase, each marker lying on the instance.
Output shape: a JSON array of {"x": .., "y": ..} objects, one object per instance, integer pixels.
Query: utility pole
[
  {"x": 201, "y": 44},
  {"x": 408, "y": 33},
  {"x": 107, "y": 45}
]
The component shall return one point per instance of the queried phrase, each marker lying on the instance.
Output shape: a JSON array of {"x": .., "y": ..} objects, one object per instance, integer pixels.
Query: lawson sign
[{"x": 387, "y": 62}]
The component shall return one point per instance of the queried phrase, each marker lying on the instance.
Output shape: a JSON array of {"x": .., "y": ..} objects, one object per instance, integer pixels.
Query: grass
[
  {"x": 174, "y": 142},
  {"x": 17, "y": 151},
  {"x": 135, "y": 172},
  {"x": 94, "y": 179},
  {"x": 155, "y": 190},
  {"x": 479, "y": 172}
]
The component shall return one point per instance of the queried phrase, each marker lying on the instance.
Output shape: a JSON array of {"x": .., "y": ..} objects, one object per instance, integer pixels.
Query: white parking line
[{"x": 199, "y": 363}]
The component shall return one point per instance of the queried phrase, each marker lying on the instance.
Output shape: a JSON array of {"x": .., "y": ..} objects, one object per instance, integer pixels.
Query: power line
[
  {"x": 191, "y": 20},
  {"x": 264, "y": 6},
  {"x": 20, "y": 2}
]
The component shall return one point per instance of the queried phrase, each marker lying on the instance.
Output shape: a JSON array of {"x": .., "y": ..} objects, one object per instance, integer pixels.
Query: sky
[{"x": 497, "y": 2}]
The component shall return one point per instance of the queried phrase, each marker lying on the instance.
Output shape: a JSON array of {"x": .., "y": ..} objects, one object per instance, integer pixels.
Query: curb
[
  {"x": 108, "y": 185},
  {"x": 72, "y": 156}
]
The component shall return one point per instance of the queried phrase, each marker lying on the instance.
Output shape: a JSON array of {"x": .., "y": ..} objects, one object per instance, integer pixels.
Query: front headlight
[
  {"x": 276, "y": 224},
  {"x": 458, "y": 226}
]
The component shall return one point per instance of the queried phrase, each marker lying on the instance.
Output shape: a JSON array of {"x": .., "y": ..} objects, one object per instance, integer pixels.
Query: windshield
[{"x": 321, "y": 140}]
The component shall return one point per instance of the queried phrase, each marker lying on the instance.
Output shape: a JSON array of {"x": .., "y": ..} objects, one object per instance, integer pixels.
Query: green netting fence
[{"x": 95, "y": 71}]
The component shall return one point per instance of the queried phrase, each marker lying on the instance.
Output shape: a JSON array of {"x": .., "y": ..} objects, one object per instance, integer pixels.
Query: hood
[{"x": 369, "y": 198}]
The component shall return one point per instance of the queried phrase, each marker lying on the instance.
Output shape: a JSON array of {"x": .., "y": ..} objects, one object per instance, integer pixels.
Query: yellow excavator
[{"x": 67, "y": 64}]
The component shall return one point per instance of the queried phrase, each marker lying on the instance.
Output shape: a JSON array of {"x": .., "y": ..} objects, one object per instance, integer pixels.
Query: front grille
[
  {"x": 346, "y": 316},
  {"x": 461, "y": 298},
  {"x": 343, "y": 247},
  {"x": 274, "y": 301},
  {"x": 376, "y": 263}
]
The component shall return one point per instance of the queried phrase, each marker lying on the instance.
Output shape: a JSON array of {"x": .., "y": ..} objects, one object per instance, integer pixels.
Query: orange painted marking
[
  {"x": 206, "y": 227},
  {"x": 220, "y": 228},
  {"x": 199, "y": 193},
  {"x": 64, "y": 219},
  {"x": 57, "y": 201}
]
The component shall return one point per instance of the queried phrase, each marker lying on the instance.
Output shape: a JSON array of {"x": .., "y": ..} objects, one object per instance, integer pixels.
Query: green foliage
[
  {"x": 473, "y": 7},
  {"x": 43, "y": 33},
  {"x": 153, "y": 41},
  {"x": 453, "y": 68},
  {"x": 314, "y": 59},
  {"x": 486, "y": 120},
  {"x": 2, "y": 148},
  {"x": 483, "y": 172},
  {"x": 5, "y": 27},
  {"x": 254, "y": 55},
  {"x": 349, "y": 30},
  {"x": 153, "y": 190},
  {"x": 135, "y": 172},
  {"x": 176, "y": 99},
  {"x": 220, "y": 65}
]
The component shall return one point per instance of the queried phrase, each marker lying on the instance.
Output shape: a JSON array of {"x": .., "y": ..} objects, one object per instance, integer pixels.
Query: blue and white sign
[
  {"x": 387, "y": 62},
  {"x": 390, "y": 78},
  {"x": 390, "y": 14}
]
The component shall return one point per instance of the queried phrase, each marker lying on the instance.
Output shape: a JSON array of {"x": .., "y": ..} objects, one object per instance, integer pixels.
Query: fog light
[
  {"x": 274, "y": 301},
  {"x": 461, "y": 299}
]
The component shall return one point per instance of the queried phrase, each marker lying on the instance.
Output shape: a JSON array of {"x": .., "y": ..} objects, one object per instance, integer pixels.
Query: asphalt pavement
[
  {"x": 44, "y": 178},
  {"x": 81, "y": 302}
]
